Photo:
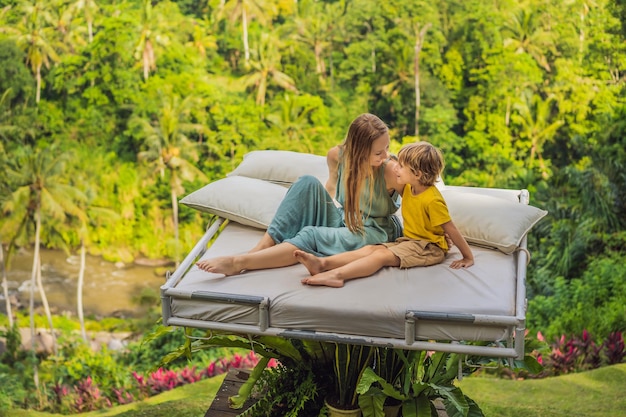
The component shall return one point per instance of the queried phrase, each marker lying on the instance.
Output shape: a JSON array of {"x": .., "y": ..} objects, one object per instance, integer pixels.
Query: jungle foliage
[{"x": 143, "y": 101}]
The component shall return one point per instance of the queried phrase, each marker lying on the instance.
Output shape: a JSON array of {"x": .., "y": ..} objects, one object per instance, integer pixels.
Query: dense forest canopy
[{"x": 112, "y": 110}]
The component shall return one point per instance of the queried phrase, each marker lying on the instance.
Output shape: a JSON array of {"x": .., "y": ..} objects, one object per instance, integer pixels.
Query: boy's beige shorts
[{"x": 416, "y": 252}]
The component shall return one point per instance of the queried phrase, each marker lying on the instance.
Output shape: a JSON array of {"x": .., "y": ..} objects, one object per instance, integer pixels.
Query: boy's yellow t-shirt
[{"x": 423, "y": 215}]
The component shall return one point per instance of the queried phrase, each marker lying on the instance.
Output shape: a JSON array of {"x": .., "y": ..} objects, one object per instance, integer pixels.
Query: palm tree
[
  {"x": 3, "y": 191},
  {"x": 35, "y": 35},
  {"x": 5, "y": 287},
  {"x": 247, "y": 10},
  {"x": 314, "y": 29},
  {"x": 157, "y": 29},
  {"x": 36, "y": 177},
  {"x": 168, "y": 146},
  {"x": 420, "y": 34},
  {"x": 200, "y": 38},
  {"x": 523, "y": 33},
  {"x": 89, "y": 8},
  {"x": 144, "y": 50},
  {"x": 265, "y": 68},
  {"x": 534, "y": 115},
  {"x": 292, "y": 116},
  {"x": 93, "y": 215}
]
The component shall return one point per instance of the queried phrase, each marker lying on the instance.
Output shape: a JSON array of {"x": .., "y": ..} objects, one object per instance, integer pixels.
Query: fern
[{"x": 285, "y": 392}]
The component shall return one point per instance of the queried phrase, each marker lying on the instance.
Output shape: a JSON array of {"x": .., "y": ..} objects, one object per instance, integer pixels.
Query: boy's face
[
  {"x": 380, "y": 150},
  {"x": 405, "y": 175}
]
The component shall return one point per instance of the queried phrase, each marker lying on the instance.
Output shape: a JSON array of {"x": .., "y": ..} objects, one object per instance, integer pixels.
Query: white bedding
[{"x": 373, "y": 306}]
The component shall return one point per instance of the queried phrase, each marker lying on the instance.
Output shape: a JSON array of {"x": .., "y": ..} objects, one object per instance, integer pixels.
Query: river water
[{"x": 108, "y": 289}]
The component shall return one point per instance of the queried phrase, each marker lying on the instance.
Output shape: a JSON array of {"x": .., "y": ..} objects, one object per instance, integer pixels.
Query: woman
[{"x": 362, "y": 179}]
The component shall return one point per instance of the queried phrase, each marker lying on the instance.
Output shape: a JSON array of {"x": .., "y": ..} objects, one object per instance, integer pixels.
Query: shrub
[
  {"x": 88, "y": 395},
  {"x": 594, "y": 302},
  {"x": 575, "y": 354}
]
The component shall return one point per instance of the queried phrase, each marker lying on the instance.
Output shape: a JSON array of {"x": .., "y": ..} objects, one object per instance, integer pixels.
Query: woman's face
[{"x": 380, "y": 150}]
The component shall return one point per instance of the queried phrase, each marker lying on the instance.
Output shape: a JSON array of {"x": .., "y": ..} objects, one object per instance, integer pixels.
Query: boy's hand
[{"x": 462, "y": 263}]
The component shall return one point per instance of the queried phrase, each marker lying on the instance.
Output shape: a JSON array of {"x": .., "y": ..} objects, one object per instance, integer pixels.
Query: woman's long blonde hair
[{"x": 357, "y": 149}]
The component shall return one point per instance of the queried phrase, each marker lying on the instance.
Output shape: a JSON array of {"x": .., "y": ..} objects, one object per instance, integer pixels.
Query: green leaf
[
  {"x": 237, "y": 401},
  {"x": 424, "y": 406},
  {"x": 409, "y": 408},
  {"x": 474, "y": 409},
  {"x": 530, "y": 363},
  {"x": 371, "y": 403},
  {"x": 454, "y": 400}
]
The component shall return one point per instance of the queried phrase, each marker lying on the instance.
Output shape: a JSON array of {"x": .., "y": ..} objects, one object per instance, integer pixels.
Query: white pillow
[
  {"x": 281, "y": 167},
  {"x": 248, "y": 201},
  {"x": 490, "y": 221}
]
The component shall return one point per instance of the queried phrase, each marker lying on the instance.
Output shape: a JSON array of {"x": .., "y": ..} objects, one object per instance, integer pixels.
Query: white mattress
[{"x": 375, "y": 306}]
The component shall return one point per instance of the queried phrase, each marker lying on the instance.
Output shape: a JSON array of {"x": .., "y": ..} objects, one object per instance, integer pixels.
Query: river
[{"x": 108, "y": 289}]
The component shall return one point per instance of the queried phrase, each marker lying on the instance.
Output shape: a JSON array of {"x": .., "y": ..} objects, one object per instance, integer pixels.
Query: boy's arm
[{"x": 468, "y": 258}]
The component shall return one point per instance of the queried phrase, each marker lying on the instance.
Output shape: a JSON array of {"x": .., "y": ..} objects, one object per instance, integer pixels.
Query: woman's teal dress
[{"x": 308, "y": 218}]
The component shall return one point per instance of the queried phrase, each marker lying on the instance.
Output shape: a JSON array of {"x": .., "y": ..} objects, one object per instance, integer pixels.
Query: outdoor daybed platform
[{"x": 423, "y": 308}]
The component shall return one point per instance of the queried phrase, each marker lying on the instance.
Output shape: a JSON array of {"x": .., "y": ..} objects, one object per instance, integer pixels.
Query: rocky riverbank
[{"x": 44, "y": 342}]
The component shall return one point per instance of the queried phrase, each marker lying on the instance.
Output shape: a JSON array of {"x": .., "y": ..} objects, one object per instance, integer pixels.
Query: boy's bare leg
[
  {"x": 265, "y": 242},
  {"x": 359, "y": 268},
  {"x": 273, "y": 257},
  {"x": 315, "y": 264}
]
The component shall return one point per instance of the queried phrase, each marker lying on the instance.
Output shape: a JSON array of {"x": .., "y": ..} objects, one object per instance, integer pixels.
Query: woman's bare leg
[
  {"x": 265, "y": 242},
  {"x": 273, "y": 257},
  {"x": 362, "y": 267},
  {"x": 316, "y": 264}
]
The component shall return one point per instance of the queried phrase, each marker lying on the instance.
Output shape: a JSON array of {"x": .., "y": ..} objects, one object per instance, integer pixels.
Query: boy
[{"x": 426, "y": 224}]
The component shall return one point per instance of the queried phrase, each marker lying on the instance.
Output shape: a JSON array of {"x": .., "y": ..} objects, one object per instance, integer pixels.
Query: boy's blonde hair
[{"x": 422, "y": 157}]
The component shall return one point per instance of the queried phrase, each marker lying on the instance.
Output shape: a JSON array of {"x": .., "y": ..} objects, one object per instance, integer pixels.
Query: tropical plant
[
  {"x": 168, "y": 146},
  {"x": 536, "y": 126},
  {"x": 265, "y": 67},
  {"x": 155, "y": 33},
  {"x": 524, "y": 34},
  {"x": 36, "y": 37},
  {"x": 89, "y": 8},
  {"x": 5, "y": 286},
  {"x": 285, "y": 391},
  {"x": 425, "y": 377},
  {"x": 247, "y": 10},
  {"x": 349, "y": 363},
  {"x": 38, "y": 189},
  {"x": 335, "y": 368}
]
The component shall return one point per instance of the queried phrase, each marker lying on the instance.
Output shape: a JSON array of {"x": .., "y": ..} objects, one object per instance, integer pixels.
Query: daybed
[{"x": 480, "y": 310}]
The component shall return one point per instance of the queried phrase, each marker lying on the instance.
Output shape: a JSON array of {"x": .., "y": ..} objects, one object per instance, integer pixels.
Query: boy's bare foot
[
  {"x": 312, "y": 263},
  {"x": 323, "y": 280},
  {"x": 224, "y": 265}
]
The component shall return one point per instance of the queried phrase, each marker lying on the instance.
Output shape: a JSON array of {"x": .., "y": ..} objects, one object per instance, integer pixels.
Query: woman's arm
[{"x": 332, "y": 160}]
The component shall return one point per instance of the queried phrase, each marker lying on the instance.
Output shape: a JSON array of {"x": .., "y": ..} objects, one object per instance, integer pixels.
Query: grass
[{"x": 597, "y": 393}]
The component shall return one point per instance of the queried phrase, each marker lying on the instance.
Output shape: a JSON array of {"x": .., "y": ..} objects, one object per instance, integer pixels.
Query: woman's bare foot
[
  {"x": 224, "y": 265},
  {"x": 312, "y": 263},
  {"x": 323, "y": 279}
]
